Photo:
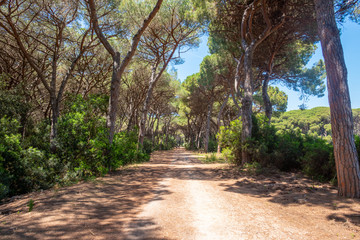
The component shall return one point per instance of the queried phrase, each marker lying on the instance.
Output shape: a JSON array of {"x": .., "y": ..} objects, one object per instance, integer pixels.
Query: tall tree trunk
[
  {"x": 218, "y": 122},
  {"x": 54, "y": 120},
  {"x": 266, "y": 98},
  {"x": 167, "y": 132},
  {"x": 198, "y": 139},
  {"x": 146, "y": 106},
  {"x": 238, "y": 75},
  {"x": 156, "y": 128},
  {"x": 114, "y": 97},
  {"x": 346, "y": 157},
  {"x": 207, "y": 130},
  {"x": 130, "y": 121},
  {"x": 246, "y": 108},
  {"x": 236, "y": 105}
]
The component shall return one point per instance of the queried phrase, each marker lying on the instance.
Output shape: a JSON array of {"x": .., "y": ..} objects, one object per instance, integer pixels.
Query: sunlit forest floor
[{"x": 175, "y": 196}]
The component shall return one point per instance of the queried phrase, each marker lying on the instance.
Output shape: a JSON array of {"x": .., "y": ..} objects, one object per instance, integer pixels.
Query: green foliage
[
  {"x": 286, "y": 150},
  {"x": 314, "y": 121},
  {"x": 228, "y": 155},
  {"x": 10, "y": 155},
  {"x": 82, "y": 137},
  {"x": 82, "y": 149},
  {"x": 12, "y": 103},
  {"x": 212, "y": 146},
  {"x": 124, "y": 150},
  {"x": 164, "y": 143},
  {"x": 318, "y": 159},
  {"x": 278, "y": 99},
  {"x": 22, "y": 169},
  {"x": 230, "y": 140},
  {"x": 83, "y": 145},
  {"x": 212, "y": 158},
  {"x": 357, "y": 145},
  {"x": 30, "y": 205},
  {"x": 253, "y": 167}
]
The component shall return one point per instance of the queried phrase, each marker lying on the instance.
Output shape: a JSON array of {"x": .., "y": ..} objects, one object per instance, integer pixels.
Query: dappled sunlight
[{"x": 141, "y": 200}]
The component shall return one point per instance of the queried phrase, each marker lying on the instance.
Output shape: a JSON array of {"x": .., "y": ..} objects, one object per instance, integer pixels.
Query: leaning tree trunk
[
  {"x": 246, "y": 108},
  {"x": 346, "y": 157},
  {"x": 266, "y": 98},
  {"x": 207, "y": 130}
]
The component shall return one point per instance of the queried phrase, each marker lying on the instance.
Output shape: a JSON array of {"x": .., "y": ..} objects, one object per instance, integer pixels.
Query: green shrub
[
  {"x": 124, "y": 150},
  {"x": 318, "y": 160},
  {"x": 228, "y": 155},
  {"x": 212, "y": 158},
  {"x": 165, "y": 143},
  {"x": 148, "y": 146},
  {"x": 82, "y": 149},
  {"x": 230, "y": 138},
  {"x": 286, "y": 150},
  {"x": 21, "y": 170},
  {"x": 212, "y": 147},
  {"x": 39, "y": 172},
  {"x": 190, "y": 146},
  {"x": 253, "y": 167},
  {"x": 82, "y": 138},
  {"x": 357, "y": 145},
  {"x": 11, "y": 169}
]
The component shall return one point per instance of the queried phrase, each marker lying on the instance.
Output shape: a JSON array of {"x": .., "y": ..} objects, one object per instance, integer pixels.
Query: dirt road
[{"x": 174, "y": 196}]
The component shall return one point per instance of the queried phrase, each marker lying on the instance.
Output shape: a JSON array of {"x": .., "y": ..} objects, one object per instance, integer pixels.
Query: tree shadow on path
[{"x": 105, "y": 208}]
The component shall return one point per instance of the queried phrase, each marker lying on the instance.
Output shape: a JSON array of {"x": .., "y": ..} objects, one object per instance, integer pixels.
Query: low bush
[
  {"x": 318, "y": 159},
  {"x": 286, "y": 150},
  {"x": 165, "y": 142}
]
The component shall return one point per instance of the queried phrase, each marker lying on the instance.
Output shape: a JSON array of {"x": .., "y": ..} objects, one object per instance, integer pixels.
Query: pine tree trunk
[
  {"x": 346, "y": 157},
  {"x": 54, "y": 119},
  {"x": 146, "y": 107},
  {"x": 246, "y": 108},
  {"x": 219, "y": 119},
  {"x": 156, "y": 128},
  {"x": 114, "y": 97},
  {"x": 207, "y": 130},
  {"x": 266, "y": 98}
]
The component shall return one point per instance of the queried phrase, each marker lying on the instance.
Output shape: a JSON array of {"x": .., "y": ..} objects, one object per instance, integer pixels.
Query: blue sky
[{"x": 350, "y": 38}]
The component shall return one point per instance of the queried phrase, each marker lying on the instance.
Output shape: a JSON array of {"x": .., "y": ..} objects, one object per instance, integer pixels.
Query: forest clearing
[{"x": 175, "y": 196}]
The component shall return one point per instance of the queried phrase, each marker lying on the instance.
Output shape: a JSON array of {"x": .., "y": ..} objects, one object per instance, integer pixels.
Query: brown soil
[{"x": 174, "y": 196}]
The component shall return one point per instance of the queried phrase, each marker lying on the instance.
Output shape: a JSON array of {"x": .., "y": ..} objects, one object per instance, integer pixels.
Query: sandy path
[{"x": 174, "y": 196}]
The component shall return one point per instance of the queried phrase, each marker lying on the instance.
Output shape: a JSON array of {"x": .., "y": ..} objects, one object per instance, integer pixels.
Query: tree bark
[
  {"x": 114, "y": 96},
  {"x": 156, "y": 128},
  {"x": 207, "y": 130},
  {"x": 246, "y": 108},
  {"x": 218, "y": 122},
  {"x": 266, "y": 98},
  {"x": 346, "y": 158},
  {"x": 146, "y": 106}
]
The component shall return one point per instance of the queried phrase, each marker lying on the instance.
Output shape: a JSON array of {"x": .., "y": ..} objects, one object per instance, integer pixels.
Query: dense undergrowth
[
  {"x": 82, "y": 149},
  {"x": 287, "y": 150}
]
